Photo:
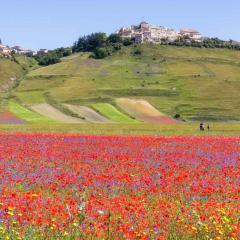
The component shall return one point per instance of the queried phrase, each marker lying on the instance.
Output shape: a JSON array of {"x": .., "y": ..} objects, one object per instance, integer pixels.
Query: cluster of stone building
[
  {"x": 7, "y": 51},
  {"x": 145, "y": 32}
]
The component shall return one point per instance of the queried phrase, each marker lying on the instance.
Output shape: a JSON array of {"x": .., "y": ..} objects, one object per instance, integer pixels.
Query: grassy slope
[
  {"x": 112, "y": 113},
  {"x": 197, "y": 83},
  {"x": 10, "y": 72}
]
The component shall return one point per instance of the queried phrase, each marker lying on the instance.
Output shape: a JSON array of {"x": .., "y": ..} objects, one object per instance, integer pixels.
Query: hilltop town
[
  {"x": 145, "y": 32},
  {"x": 6, "y": 51}
]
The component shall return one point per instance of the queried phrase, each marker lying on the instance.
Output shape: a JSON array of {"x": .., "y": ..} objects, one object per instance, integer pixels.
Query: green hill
[
  {"x": 198, "y": 84},
  {"x": 10, "y": 74}
]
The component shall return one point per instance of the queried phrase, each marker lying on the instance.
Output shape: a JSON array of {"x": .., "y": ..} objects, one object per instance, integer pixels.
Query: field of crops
[{"x": 57, "y": 186}]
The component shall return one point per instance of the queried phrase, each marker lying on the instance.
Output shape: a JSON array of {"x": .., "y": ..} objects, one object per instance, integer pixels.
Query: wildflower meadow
[{"x": 56, "y": 186}]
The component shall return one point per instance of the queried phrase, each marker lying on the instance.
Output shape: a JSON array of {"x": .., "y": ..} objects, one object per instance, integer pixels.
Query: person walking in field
[
  {"x": 201, "y": 126},
  {"x": 208, "y": 127}
]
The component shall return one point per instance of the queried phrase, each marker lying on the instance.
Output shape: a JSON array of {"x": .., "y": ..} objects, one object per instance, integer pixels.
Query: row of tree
[
  {"x": 53, "y": 57},
  {"x": 205, "y": 43},
  {"x": 100, "y": 44}
]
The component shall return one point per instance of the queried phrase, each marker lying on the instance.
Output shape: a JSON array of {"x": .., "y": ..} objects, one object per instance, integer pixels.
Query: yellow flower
[
  {"x": 225, "y": 219},
  {"x": 220, "y": 232},
  {"x": 194, "y": 228},
  {"x": 10, "y": 213},
  {"x": 75, "y": 224},
  {"x": 65, "y": 233},
  {"x": 34, "y": 195}
]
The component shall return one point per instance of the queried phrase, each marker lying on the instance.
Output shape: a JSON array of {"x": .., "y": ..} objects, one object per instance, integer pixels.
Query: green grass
[
  {"x": 26, "y": 114},
  {"x": 199, "y": 84},
  {"x": 25, "y": 62},
  {"x": 186, "y": 129},
  {"x": 10, "y": 73},
  {"x": 9, "y": 69},
  {"x": 112, "y": 113}
]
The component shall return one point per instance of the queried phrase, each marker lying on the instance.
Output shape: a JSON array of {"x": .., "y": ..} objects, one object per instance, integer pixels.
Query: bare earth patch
[
  {"x": 53, "y": 113},
  {"x": 89, "y": 114},
  {"x": 143, "y": 111}
]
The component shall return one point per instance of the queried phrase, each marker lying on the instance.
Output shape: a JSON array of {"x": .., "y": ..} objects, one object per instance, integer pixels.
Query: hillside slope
[
  {"x": 10, "y": 73},
  {"x": 198, "y": 84}
]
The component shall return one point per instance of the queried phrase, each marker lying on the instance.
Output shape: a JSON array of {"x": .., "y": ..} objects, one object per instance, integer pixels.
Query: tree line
[
  {"x": 100, "y": 45},
  {"x": 53, "y": 57},
  {"x": 205, "y": 43}
]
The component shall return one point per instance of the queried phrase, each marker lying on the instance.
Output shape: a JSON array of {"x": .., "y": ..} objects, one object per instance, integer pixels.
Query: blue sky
[{"x": 54, "y": 23}]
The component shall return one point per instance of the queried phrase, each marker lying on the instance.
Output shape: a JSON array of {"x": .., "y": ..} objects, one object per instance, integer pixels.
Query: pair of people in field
[{"x": 202, "y": 127}]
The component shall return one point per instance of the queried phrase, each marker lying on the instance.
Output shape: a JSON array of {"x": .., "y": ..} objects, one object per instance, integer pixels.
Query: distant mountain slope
[
  {"x": 198, "y": 84},
  {"x": 10, "y": 73}
]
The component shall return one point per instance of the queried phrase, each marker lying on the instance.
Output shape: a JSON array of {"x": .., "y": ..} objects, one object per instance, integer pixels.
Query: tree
[
  {"x": 115, "y": 38},
  {"x": 48, "y": 59},
  {"x": 100, "y": 53},
  {"x": 96, "y": 40},
  {"x": 117, "y": 46},
  {"x": 100, "y": 44},
  {"x": 138, "y": 51},
  {"x": 80, "y": 45},
  {"x": 127, "y": 41}
]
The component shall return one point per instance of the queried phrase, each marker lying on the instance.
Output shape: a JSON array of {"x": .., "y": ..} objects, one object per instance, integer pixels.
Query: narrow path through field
[
  {"x": 89, "y": 114},
  {"x": 53, "y": 113},
  {"x": 144, "y": 111}
]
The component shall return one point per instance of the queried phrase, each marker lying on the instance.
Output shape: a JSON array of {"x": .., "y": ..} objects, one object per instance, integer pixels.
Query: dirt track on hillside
[
  {"x": 143, "y": 111},
  {"x": 89, "y": 114},
  {"x": 53, "y": 113}
]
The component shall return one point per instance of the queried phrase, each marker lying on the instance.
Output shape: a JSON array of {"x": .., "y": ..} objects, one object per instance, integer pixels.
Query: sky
[{"x": 55, "y": 23}]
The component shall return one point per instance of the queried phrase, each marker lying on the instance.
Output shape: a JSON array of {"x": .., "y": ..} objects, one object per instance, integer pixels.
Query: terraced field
[
  {"x": 88, "y": 114},
  {"x": 112, "y": 113},
  {"x": 49, "y": 111},
  {"x": 27, "y": 115}
]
